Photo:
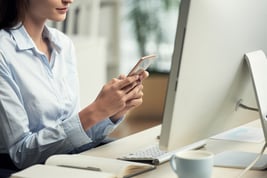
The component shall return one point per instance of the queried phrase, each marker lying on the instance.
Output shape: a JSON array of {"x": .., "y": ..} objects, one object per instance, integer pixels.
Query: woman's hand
[
  {"x": 116, "y": 97},
  {"x": 135, "y": 99}
]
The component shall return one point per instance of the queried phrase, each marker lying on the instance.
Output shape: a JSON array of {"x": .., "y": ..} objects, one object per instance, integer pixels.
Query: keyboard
[{"x": 153, "y": 155}]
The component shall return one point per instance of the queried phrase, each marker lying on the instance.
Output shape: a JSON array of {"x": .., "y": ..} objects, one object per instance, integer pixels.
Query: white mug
[{"x": 192, "y": 164}]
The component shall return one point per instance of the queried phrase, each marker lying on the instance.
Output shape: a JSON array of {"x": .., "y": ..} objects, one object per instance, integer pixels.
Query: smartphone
[{"x": 142, "y": 64}]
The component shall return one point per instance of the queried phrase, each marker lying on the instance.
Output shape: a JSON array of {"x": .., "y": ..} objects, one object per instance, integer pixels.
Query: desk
[{"x": 149, "y": 136}]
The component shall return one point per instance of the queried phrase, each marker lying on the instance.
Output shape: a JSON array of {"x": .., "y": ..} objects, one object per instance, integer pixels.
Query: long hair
[{"x": 12, "y": 12}]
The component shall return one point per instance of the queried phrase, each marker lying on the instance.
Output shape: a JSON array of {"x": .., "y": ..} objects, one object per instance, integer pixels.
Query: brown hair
[{"x": 12, "y": 12}]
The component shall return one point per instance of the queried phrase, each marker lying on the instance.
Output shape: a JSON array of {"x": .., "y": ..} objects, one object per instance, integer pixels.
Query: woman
[{"x": 39, "y": 110}]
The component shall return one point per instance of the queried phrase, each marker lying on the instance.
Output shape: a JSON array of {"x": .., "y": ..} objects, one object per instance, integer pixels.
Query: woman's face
[{"x": 48, "y": 9}]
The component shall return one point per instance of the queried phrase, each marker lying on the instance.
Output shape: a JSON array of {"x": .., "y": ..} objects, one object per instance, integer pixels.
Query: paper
[
  {"x": 242, "y": 134},
  {"x": 47, "y": 171}
]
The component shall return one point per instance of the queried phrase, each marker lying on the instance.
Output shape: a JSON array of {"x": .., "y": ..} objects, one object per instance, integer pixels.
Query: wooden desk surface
[{"x": 145, "y": 138}]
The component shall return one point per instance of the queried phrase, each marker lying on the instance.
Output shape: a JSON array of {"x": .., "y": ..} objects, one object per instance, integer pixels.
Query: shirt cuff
[
  {"x": 111, "y": 125},
  {"x": 99, "y": 131},
  {"x": 74, "y": 131}
]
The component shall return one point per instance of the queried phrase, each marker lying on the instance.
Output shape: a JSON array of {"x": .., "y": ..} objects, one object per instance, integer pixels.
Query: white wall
[{"x": 92, "y": 64}]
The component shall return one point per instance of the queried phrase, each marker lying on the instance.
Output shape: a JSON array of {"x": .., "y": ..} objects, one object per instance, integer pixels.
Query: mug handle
[{"x": 172, "y": 163}]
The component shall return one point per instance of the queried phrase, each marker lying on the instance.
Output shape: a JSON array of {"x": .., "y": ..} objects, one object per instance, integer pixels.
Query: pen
[{"x": 84, "y": 168}]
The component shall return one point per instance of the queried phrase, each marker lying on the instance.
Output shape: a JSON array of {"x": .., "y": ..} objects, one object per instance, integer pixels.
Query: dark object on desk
[
  {"x": 7, "y": 167},
  {"x": 6, "y": 173},
  {"x": 106, "y": 141}
]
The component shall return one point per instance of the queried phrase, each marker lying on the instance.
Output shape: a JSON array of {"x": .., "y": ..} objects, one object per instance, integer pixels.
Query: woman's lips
[{"x": 62, "y": 10}]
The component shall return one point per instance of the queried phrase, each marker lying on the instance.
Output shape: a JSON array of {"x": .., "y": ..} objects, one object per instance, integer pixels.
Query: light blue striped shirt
[{"x": 39, "y": 100}]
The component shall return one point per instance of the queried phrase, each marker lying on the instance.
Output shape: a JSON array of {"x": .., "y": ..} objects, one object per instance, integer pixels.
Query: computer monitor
[{"x": 209, "y": 76}]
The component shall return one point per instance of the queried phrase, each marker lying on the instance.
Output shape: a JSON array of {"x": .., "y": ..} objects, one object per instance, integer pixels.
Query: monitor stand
[{"x": 257, "y": 64}]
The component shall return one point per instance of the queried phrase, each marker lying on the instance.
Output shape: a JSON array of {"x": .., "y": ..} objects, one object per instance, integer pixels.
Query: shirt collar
[
  {"x": 24, "y": 41},
  {"x": 53, "y": 38}
]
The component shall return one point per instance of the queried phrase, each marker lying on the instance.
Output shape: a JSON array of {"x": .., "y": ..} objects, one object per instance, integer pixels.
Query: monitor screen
[{"x": 209, "y": 76}]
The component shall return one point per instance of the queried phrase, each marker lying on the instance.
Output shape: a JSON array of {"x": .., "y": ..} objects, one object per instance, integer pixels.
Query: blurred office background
[{"x": 110, "y": 36}]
